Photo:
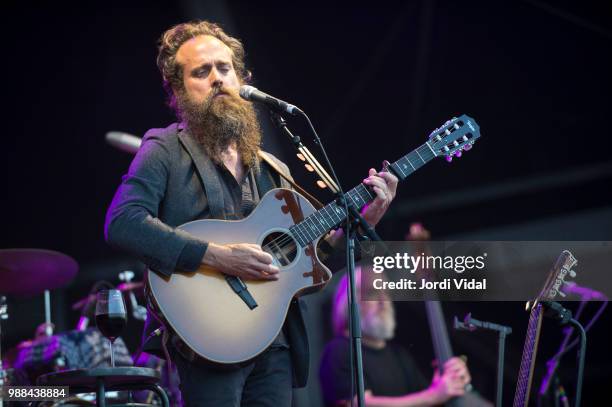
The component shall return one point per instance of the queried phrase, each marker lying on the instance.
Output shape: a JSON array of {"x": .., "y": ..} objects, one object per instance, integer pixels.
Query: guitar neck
[
  {"x": 332, "y": 214},
  {"x": 441, "y": 343},
  {"x": 523, "y": 385},
  {"x": 439, "y": 334}
]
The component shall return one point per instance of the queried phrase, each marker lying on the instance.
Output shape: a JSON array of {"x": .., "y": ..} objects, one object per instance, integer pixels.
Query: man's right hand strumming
[
  {"x": 244, "y": 260},
  {"x": 451, "y": 383}
]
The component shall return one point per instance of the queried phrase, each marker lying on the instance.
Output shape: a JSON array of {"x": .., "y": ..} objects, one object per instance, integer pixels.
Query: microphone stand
[
  {"x": 280, "y": 122},
  {"x": 553, "y": 363},
  {"x": 471, "y": 324},
  {"x": 352, "y": 215},
  {"x": 564, "y": 316}
]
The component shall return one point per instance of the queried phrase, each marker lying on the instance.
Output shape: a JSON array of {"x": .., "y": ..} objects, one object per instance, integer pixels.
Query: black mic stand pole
[
  {"x": 471, "y": 324},
  {"x": 553, "y": 363},
  {"x": 304, "y": 153},
  {"x": 353, "y": 304},
  {"x": 278, "y": 120},
  {"x": 564, "y": 316}
]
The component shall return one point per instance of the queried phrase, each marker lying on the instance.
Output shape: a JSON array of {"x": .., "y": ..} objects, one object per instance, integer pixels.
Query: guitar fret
[
  {"x": 432, "y": 151},
  {"x": 312, "y": 226},
  {"x": 325, "y": 211},
  {"x": 323, "y": 218},
  {"x": 355, "y": 198},
  {"x": 399, "y": 167},
  {"x": 319, "y": 218},
  {"x": 425, "y": 152},
  {"x": 367, "y": 192},
  {"x": 417, "y": 151},
  {"x": 335, "y": 212},
  {"x": 408, "y": 159},
  {"x": 304, "y": 236},
  {"x": 414, "y": 161},
  {"x": 300, "y": 232},
  {"x": 352, "y": 200},
  {"x": 306, "y": 230},
  {"x": 361, "y": 200},
  {"x": 297, "y": 235}
]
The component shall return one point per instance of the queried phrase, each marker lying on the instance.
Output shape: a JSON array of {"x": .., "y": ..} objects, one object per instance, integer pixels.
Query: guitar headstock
[
  {"x": 453, "y": 137},
  {"x": 561, "y": 272}
]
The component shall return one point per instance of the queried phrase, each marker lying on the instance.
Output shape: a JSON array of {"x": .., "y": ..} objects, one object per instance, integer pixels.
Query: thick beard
[{"x": 220, "y": 122}]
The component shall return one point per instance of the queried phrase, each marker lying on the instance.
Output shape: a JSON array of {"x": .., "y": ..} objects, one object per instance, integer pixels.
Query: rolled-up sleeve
[{"x": 132, "y": 222}]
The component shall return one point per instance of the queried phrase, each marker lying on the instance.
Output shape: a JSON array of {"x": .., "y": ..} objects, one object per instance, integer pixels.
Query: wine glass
[{"x": 111, "y": 316}]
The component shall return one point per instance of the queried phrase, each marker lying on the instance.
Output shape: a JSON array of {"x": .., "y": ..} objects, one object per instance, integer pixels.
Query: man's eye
[
  {"x": 224, "y": 68},
  {"x": 202, "y": 73}
]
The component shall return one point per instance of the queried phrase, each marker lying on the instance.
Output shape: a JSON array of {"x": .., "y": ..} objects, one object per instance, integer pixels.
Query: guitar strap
[{"x": 266, "y": 157}]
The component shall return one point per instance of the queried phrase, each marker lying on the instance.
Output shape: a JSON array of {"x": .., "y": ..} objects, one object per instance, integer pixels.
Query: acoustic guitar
[{"x": 226, "y": 320}]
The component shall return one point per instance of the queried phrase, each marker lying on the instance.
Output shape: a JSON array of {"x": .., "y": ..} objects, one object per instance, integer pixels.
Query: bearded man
[
  {"x": 391, "y": 375},
  {"x": 206, "y": 166}
]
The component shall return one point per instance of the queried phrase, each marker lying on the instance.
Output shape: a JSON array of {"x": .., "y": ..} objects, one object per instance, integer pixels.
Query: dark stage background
[{"x": 375, "y": 79}]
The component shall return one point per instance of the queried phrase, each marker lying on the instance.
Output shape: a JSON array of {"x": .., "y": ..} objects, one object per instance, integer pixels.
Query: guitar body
[
  {"x": 209, "y": 316},
  {"x": 203, "y": 308}
]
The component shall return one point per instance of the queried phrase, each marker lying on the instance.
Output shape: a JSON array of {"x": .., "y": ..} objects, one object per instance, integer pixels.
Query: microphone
[
  {"x": 255, "y": 95},
  {"x": 123, "y": 141},
  {"x": 585, "y": 293}
]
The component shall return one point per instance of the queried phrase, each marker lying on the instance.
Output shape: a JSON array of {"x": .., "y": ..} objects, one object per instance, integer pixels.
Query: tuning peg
[
  {"x": 309, "y": 167},
  {"x": 467, "y": 147},
  {"x": 321, "y": 184},
  {"x": 301, "y": 157},
  {"x": 449, "y": 158},
  {"x": 572, "y": 273},
  {"x": 458, "y": 153}
]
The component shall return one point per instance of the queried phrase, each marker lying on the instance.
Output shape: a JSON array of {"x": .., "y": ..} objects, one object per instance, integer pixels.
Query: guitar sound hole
[{"x": 281, "y": 246}]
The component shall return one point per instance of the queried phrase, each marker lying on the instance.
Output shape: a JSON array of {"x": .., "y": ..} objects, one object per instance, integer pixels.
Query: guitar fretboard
[
  {"x": 523, "y": 385},
  {"x": 331, "y": 215}
]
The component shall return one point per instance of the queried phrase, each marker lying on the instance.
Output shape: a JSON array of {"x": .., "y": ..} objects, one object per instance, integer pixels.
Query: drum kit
[{"x": 31, "y": 272}]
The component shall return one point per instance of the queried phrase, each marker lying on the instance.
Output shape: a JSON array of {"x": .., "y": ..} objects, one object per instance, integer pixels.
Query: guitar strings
[{"x": 283, "y": 241}]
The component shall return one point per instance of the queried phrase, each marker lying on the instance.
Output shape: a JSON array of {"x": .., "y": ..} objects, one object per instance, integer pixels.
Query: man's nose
[{"x": 216, "y": 80}]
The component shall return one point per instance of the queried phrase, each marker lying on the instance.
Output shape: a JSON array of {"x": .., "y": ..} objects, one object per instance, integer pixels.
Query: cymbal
[{"x": 27, "y": 272}]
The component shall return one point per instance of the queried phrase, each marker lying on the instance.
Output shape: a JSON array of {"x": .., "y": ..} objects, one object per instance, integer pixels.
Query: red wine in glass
[
  {"x": 111, "y": 316},
  {"x": 111, "y": 325}
]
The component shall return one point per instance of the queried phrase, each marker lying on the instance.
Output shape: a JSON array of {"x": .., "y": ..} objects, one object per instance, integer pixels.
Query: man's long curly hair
[{"x": 172, "y": 39}]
